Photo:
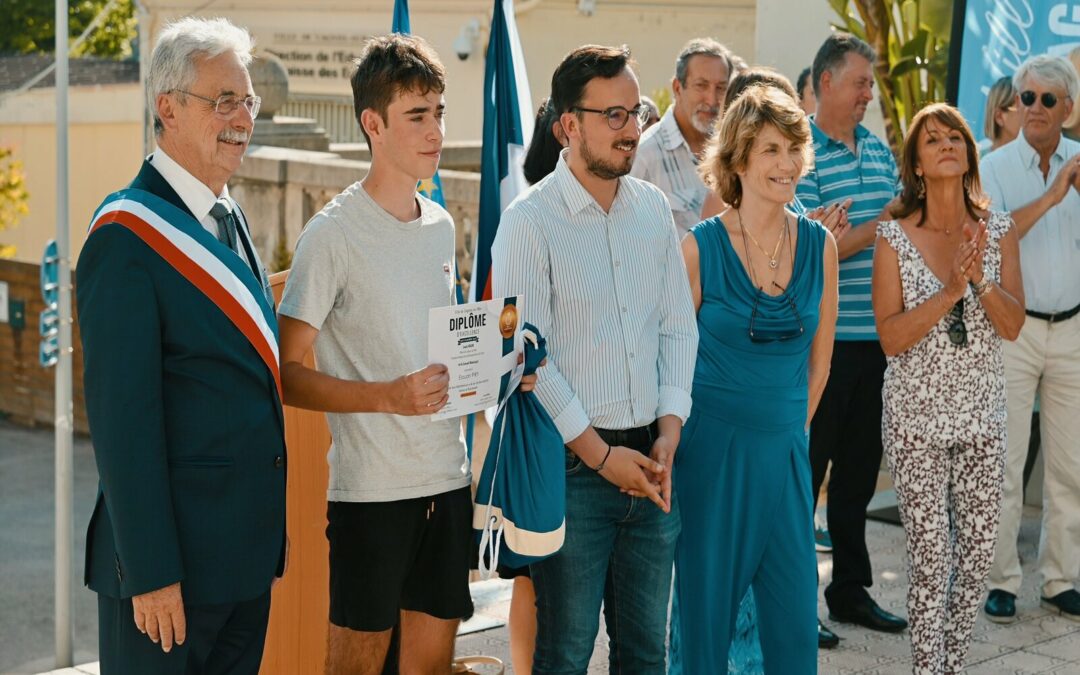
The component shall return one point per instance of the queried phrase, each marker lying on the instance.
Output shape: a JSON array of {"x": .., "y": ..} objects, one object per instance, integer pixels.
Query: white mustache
[
  {"x": 233, "y": 136},
  {"x": 712, "y": 110}
]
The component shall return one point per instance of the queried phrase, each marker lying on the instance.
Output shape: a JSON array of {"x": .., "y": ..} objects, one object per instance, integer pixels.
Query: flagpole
[{"x": 64, "y": 479}]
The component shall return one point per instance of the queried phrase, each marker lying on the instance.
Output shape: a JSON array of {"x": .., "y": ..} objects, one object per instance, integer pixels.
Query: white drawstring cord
[{"x": 491, "y": 538}]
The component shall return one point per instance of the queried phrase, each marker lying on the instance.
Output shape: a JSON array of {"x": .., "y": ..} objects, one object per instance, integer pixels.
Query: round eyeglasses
[
  {"x": 1048, "y": 99},
  {"x": 227, "y": 104},
  {"x": 617, "y": 116}
]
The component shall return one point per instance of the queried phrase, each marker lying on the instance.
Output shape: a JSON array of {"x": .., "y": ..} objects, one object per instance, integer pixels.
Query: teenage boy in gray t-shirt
[{"x": 367, "y": 269}]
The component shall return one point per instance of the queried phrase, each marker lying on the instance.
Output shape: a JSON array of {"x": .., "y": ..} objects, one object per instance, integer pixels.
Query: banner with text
[{"x": 999, "y": 35}]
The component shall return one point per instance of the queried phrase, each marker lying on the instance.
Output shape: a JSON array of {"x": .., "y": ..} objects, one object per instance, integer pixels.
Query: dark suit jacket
[{"x": 186, "y": 425}]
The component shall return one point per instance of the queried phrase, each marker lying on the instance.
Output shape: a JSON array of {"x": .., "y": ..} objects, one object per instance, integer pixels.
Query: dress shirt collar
[
  {"x": 575, "y": 195},
  {"x": 197, "y": 197},
  {"x": 670, "y": 135},
  {"x": 1029, "y": 156}
]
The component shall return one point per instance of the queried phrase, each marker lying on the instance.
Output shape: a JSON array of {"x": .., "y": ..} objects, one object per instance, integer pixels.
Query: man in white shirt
[
  {"x": 595, "y": 254},
  {"x": 669, "y": 151},
  {"x": 1044, "y": 359}
]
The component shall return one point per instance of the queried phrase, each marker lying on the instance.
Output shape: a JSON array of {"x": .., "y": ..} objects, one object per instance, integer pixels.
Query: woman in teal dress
[{"x": 764, "y": 283}]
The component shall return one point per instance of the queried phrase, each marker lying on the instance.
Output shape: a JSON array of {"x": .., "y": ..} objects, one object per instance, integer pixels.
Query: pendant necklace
[{"x": 774, "y": 259}]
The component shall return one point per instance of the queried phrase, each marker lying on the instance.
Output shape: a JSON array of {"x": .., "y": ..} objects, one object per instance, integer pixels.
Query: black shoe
[
  {"x": 1066, "y": 604},
  {"x": 1000, "y": 606},
  {"x": 869, "y": 615},
  {"x": 826, "y": 639}
]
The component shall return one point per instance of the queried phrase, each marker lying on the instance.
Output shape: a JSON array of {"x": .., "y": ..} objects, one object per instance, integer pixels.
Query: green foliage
[
  {"x": 911, "y": 38},
  {"x": 662, "y": 97},
  {"x": 13, "y": 195},
  {"x": 282, "y": 257},
  {"x": 30, "y": 27}
]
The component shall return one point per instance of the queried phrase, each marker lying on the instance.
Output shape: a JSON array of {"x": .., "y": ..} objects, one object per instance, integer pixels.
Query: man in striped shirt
[
  {"x": 850, "y": 163},
  {"x": 594, "y": 253}
]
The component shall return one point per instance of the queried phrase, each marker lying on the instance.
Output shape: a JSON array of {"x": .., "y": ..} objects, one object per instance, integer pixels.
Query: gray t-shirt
[{"x": 367, "y": 280}]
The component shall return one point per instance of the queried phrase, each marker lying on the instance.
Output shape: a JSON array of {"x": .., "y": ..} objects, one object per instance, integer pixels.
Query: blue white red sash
[{"x": 200, "y": 258}]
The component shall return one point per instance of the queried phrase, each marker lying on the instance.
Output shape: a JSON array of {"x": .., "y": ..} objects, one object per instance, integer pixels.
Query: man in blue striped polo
[{"x": 850, "y": 163}]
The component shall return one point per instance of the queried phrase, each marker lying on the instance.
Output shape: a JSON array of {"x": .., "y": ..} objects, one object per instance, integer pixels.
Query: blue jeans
[{"x": 618, "y": 551}]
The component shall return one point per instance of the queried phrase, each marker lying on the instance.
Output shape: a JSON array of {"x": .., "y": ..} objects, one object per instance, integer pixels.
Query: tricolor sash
[{"x": 214, "y": 269}]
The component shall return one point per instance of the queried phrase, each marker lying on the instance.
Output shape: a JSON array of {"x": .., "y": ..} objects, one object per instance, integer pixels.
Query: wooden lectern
[{"x": 300, "y": 608}]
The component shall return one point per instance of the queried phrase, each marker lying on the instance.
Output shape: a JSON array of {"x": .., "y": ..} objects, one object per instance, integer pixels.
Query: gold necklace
[
  {"x": 943, "y": 230},
  {"x": 774, "y": 261}
]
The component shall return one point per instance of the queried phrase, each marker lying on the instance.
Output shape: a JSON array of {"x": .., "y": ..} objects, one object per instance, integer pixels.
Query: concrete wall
[
  {"x": 325, "y": 33},
  {"x": 788, "y": 34},
  {"x": 280, "y": 189},
  {"x": 106, "y": 145},
  {"x": 104, "y": 155}
]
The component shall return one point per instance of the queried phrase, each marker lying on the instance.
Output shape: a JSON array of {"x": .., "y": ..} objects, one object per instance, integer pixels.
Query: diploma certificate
[{"x": 479, "y": 343}]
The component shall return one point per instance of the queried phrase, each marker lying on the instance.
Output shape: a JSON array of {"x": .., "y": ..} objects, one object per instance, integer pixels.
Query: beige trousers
[{"x": 1045, "y": 359}]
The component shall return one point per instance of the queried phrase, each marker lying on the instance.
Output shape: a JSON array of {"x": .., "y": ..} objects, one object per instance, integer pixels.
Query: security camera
[{"x": 465, "y": 42}]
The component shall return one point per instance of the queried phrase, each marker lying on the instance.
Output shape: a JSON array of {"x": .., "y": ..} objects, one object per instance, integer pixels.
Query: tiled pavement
[{"x": 1037, "y": 643}]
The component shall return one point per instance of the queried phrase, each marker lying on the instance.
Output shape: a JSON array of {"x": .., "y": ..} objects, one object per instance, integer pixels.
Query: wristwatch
[{"x": 982, "y": 288}]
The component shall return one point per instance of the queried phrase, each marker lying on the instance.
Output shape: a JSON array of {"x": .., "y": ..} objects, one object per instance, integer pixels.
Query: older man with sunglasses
[{"x": 1044, "y": 359}]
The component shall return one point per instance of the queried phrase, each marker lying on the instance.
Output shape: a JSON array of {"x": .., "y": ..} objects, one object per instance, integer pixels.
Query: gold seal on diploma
[{"x": 508, "y": 319}]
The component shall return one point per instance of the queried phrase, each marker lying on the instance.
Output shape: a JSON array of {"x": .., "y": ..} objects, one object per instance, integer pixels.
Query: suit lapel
[
  {"x": 222, "y": 276},
  {"x": 150, "y": 180}
]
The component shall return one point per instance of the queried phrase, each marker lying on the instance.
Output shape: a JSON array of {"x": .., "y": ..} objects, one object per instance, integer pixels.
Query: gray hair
[
  {"x": 1055, "y": 71},
  {"x": 705, "y": 47},
  {"x": 181, "y": 45},
  {"x": 650, "y": 104},
  {"x": 833, "y": 53}
]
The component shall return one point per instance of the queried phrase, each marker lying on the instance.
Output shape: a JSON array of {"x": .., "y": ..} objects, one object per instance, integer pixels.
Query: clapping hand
[
  {"x": 833, "y": 217},
  {"x": 1068, "y": 175},
  {"x": 967, "y": 264},
  {"x": 976, "y": 237}
]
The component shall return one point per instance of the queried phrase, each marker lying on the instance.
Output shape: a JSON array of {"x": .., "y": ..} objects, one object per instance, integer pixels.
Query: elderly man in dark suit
[{"x": 182, "y": 384}]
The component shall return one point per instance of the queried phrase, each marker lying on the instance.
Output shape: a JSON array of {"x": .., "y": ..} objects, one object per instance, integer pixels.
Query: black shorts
[
  {"x": 507, "y": 572},
  {"x": 411, "y": 554}
]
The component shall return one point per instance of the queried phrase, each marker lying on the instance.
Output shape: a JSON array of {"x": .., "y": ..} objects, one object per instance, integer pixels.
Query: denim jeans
[{"x": 618, "y": 551}]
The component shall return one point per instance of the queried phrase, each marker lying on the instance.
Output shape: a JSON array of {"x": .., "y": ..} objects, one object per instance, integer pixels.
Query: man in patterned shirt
[{"x": 668, "y": 153}]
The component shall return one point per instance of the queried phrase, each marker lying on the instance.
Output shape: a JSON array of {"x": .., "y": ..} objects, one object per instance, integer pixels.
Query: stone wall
[
  {"x": 27, "y": 391},
  {"x": 280, "y": 189}
]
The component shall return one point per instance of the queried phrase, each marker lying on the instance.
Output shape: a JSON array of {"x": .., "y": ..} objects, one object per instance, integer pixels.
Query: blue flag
[
  {"x": 432, "y": 189},
  {"x": 508, "y": 116},
  {"x": 401, "y": 18}
]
